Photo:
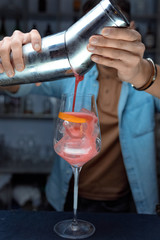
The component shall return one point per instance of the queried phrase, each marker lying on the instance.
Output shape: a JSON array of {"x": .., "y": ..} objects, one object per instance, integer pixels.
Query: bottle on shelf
[
  {"x": 76, "y": 9},
  {"x": 48, "y": 30},
  {"x": 76, "y": 5},
  {"x": 3, "y": 32},
  {"x": 17, "y": 26},
  {"x": 140, "y": 6},
  {"x": 34, "y": 26},
  {"x": 47, "y": 106},
  {"x": 150, "y": 38},
  {"x": 42, "y": 6},
  {"x": 2, "y": 98},
  {"x": 7, "y": 105},
  {"x": 28, "y": 105}
]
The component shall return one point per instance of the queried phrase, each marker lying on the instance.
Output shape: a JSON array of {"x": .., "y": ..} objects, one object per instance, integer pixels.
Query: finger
[
  {"x": 114, "y": 53},
  {"x": 121, "y": 33},
  {"x": 107, "y": 62},
  {"x": 33, "y": 37},
  {"x": 119, "y": 62},
  {"x": 5, "y": 57},
  {"x": 16, "y": 48},
  {"x": 102, "y": 41}
]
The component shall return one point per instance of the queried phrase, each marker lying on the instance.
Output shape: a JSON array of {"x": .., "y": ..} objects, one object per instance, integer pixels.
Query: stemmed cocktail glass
[{"x": 77, "y": 140}]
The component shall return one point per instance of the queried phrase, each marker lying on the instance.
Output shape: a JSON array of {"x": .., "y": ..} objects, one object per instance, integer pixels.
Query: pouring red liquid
[{"x": 77, "y": 80}]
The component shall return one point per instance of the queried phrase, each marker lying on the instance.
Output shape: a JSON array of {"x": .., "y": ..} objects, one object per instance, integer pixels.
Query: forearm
[
  {"x": 154, "y": 89},
  {"x": 11, "y": 89},
  {"x": 145, "y": 74}
]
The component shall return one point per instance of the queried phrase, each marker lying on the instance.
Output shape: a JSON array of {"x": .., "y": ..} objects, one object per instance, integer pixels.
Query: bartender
[{"x": 122, "y": 178}]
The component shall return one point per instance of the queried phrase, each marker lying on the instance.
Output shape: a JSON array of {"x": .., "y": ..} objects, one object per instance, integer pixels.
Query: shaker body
[{"x": 49, "y": 64}]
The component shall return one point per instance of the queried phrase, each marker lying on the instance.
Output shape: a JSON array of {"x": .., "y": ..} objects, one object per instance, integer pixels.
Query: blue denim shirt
[{"x": 136, "y": 113}]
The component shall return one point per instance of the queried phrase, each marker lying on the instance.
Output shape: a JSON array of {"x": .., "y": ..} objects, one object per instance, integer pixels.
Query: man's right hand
[{"x": 14, "y": 45}]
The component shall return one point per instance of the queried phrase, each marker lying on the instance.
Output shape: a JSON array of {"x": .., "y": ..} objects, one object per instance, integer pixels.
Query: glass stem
[{"x": 76, "y": 171}]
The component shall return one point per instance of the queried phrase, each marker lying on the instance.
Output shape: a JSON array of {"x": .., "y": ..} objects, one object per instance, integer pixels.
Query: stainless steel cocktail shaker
[{"x": 65, "y": 53}]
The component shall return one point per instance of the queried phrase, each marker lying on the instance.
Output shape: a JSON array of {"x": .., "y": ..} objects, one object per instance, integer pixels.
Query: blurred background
[{"x": 27, "y": 124}]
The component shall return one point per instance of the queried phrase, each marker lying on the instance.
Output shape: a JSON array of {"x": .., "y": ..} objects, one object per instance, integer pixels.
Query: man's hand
[
  {"x": 14, "y": 45},
  {"x": 122, "y": 49}
]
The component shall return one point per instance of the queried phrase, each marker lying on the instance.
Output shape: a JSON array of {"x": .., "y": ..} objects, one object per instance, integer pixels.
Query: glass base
[{"x": 67, "y": 229}]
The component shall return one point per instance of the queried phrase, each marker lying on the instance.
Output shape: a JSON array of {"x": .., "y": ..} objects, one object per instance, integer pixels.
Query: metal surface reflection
[{"x": 65, "y": 53}]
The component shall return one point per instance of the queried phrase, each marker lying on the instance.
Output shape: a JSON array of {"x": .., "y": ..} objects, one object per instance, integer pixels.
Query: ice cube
[
  {"x": 74, "y": 130},
  {"x": 77, "y": 147}
]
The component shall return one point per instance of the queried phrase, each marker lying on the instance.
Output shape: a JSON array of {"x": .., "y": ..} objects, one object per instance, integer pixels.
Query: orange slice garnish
[{"x": 71, "y": 118}]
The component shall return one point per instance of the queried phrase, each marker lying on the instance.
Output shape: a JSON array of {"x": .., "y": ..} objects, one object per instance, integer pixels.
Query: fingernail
[
  {"x": 19, "y": 67},
  {"x": 106, "y": 32},
  {"x": 94, "y": 40},
  {"x": 91, "y": 48},
  {"x": 10, "y": 74},
  {"x": 95, "y": 58},
  {"x": 37, "y": 47}
]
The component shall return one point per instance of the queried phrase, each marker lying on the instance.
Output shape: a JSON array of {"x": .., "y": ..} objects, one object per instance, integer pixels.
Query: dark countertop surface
[{"x": 32, "y": 225}]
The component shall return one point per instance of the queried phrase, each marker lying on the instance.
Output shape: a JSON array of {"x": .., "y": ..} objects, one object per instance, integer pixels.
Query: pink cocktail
[{"x": 78, "y": 144}]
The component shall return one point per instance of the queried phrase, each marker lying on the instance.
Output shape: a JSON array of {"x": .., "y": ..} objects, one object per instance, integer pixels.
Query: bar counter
[{"x": 32, "y": 225}]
